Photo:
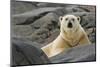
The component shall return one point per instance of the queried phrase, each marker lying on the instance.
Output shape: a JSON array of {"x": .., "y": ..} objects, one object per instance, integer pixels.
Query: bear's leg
[
  {"x": 84, "y": 40},
  {"x": 46, "y": 49}
]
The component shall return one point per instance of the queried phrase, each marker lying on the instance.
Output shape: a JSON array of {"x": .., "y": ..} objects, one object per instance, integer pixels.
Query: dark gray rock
[
  {"x": 24, "y": 53},
  {"x": 44, "y": 4},
  {"x": 90, "y": 8},
  {"x": 34, "y": 14}
]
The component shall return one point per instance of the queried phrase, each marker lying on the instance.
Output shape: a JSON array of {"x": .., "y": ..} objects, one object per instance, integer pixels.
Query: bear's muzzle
[{"x": 70, "y": 25}]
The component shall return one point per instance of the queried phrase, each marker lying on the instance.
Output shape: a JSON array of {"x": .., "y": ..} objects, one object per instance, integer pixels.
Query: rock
[
  {"x": 24, "y": 53},
  {"x": 90, "y": 8},
  {"x": 44, "y": 4},
  {"x": 21, "y": 7},
  {"x": 50, "y": 19},
  {"x": 21, "y": 30},
  {"x": 36, "y": 12},
  {"x": 32, "y": 15},
  {"x": 44, "y": 26}
]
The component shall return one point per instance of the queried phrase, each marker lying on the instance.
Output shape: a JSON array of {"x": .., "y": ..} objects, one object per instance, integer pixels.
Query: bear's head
[{"x": 69, "y": 23}]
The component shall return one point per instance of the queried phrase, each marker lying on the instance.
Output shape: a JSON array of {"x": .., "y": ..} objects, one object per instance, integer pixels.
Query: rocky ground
[{"x": 39, "y": 22}]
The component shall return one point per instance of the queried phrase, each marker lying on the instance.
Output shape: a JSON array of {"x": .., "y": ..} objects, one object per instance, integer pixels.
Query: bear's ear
[
  {"x": 78, "y": 18},
  {"x": 60, "y": 18}
]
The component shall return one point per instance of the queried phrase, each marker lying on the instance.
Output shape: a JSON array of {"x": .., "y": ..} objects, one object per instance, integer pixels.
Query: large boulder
[{"x": 24, "y": 53}]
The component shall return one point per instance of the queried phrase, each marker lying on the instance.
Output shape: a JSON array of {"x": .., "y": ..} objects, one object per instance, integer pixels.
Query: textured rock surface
[{"x": 38, "y": 23}]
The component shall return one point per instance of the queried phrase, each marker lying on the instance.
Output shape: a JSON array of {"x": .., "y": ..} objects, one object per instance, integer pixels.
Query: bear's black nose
[{"x": 70, "y": 25}]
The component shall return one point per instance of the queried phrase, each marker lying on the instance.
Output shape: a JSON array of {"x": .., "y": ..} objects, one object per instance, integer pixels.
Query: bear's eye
[
  {"x": 73, "y": 19},
  {"x": 66, "y": 19}
]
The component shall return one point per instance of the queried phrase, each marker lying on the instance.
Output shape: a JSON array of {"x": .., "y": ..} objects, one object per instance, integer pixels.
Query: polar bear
[{"x": 71, "y": 35}]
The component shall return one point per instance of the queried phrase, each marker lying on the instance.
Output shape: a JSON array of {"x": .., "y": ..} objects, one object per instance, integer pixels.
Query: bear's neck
[{"x": 69, "y": 37}]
